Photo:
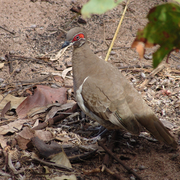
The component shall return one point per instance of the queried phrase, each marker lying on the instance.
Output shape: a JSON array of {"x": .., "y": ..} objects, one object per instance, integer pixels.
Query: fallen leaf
[
  {"x": 1, "y": 65},
  {"x": 24, "y": 137},
  {"x": 44, "y": 135},
  {"x": 55, "y": 109},
  {"x": 6, "y": 108},
  {"x": 15, "y": 101},
  {"x": 43, "y": 95},
  {"x": 61, "y": 159},
  {"x": 12, "y": 127}
]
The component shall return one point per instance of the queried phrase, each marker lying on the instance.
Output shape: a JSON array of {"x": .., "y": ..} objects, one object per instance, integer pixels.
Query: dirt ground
[{"x": 32, "y": 29}]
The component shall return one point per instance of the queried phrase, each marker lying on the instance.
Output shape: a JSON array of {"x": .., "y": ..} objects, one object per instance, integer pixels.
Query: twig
[
  {"x": 7, "y": 30},
  {"x": 153, "y": 73},
  {"x": 52, "y": 164},
  {"x": 117, "y": 30},
  {"x": 118, "y": 160}
]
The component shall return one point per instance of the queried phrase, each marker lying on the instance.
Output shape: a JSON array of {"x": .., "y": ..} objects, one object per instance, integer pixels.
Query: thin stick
[
  {"x": 51, "y": 164},
  {"x": 7, "y": 30},
  {"x": 117, "y": 30},
  {"x": 118, "y": 160}
]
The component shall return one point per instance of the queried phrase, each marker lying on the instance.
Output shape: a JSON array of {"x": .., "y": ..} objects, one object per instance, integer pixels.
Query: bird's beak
[{"x": 65, "y": 44}]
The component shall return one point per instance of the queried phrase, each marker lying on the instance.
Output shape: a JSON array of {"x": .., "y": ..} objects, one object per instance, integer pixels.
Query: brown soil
[{"x": 35, "y": 29}]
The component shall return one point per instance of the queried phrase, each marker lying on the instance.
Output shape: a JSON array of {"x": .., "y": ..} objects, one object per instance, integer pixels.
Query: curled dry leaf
[
  {"x": 25, "y": 136},
  {"x": 43, "y": 95},
  {"x": 55, "y": 109},
  {"x": 5, "y": 109},
  {"x": 12, "y": 127},
  {"x": 64, "y": 73}
]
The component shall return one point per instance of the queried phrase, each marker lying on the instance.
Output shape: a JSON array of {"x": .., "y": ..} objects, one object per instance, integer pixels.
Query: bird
[{"x": 105, "y": 95}]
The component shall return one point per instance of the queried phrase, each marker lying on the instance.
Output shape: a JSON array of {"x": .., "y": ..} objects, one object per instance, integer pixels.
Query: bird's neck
[{"x": 84, "y": 62}]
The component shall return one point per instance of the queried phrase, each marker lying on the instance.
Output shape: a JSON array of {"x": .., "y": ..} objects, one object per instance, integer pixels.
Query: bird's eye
[{"x": 78, "y": 37}]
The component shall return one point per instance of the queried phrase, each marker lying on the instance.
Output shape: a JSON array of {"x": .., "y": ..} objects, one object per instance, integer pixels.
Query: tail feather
[{"x": 157, "y": 129}]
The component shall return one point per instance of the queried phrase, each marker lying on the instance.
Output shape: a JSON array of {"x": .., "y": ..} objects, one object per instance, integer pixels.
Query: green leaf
[
  {"x": 98, "y": 7},
  {"x": 160, "y": 54},
  {"x": 163, "y": 28}
]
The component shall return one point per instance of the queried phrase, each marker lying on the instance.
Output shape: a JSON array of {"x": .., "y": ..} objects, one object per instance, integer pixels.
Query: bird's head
[{"x": 76, "y": 37}]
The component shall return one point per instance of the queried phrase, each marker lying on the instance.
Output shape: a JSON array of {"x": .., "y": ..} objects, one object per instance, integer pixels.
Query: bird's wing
[{"x": 108, "y": 101}]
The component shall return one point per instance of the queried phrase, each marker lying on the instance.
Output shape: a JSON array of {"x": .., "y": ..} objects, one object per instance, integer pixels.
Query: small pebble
[
  {"x": 1, "y": 80},
  {"x": 17, "y": 165},
  {"x": 54, "y": 86},
  {"x": 143, "y": 75},
  {"x": 142, "y": 167},
  {"x": 148, "y": 57},
  {"x": 2, "y": 58},
  {"x": 133, "y": 80},
  {"x": 3, "y": 85},
  {"x": 127, "y": 135},
  {"x": 33, "y": 26},
  {"x": 133, "y": 140},
  {"x": 18, "y": 70},
  {"x": 112, "y": 53},
  {"x": 12, "y": 52},
  {"x": 132, "y": 178}
]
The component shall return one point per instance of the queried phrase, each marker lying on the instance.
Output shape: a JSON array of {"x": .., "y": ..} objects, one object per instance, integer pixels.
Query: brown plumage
[{"x": 105, "y": 95}]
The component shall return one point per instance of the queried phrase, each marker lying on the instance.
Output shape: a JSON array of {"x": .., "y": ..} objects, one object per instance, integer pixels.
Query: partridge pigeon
[{"x": 106, "y": 96}]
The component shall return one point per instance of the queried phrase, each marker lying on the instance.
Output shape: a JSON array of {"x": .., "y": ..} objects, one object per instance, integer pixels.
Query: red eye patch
[{"x": 77, "y": 37}]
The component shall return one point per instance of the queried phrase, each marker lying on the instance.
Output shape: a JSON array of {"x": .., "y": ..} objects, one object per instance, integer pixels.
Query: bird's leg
[
  {"x": 101, "y": 131},
  {"x": 107, "y": 158}
]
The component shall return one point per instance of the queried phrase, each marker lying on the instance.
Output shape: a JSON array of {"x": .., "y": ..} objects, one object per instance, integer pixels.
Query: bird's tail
[{"x": 157, "y": 129}]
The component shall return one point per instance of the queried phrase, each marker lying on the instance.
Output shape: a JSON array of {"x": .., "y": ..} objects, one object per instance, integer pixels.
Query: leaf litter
[{"x": 161, "y": 92}]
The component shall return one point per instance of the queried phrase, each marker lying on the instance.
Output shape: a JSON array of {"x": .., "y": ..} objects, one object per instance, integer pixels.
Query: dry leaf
[
  {"x": 55, "y": 109},
  {"x": 5, "y": 109},
  {"x": 24, "y": 137},
  {"x": 15, "y": 101},
  {"x": 61, "y": 159},
  {"x": 44, "y": 135},
  {"x": 1, "y": 65},
  {"x": 43, "y": 95},
  {"x": 12, "y": 127}
]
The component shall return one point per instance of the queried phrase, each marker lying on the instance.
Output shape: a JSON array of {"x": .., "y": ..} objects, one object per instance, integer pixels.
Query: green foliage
[
  {"x": 98, "y": 7},
  {"x": 163, "y": 29}
]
